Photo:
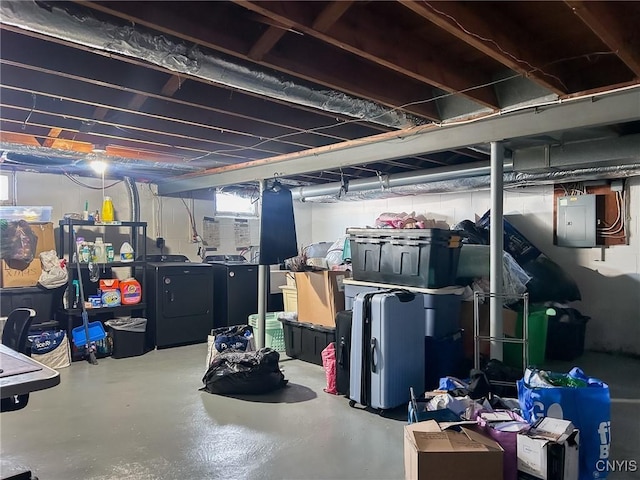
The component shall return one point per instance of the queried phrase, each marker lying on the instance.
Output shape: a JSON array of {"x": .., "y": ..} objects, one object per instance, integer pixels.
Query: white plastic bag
[{"x": 53, "y": 274}]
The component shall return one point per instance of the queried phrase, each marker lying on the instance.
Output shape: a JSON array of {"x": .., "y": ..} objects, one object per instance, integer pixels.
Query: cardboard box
[
  {"x": 320, "y": 296},
  {"x": 549, "y": 450},
  {"x": 431, "y": 452},
  {"x": 509, "y": 319},
  {"x": 21, "y": 274}
]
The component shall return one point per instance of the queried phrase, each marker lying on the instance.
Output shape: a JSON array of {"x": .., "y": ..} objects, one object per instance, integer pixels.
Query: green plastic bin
[
  {"x": 512, "y": 353},
  {"x": 274, "y": 334}
]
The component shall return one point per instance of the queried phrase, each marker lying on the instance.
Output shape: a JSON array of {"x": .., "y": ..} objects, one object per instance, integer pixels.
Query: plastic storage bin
[
  {"x": 306, "y": 341},
  {"x": 537, "y": 340},
  {"x": 565, "y": 336},
  {"x": 128, "y": 336},
  {"x": 274, "y": 334},
  {"x": 424, "y": 258},
  {"x": 442, "y": 313}
]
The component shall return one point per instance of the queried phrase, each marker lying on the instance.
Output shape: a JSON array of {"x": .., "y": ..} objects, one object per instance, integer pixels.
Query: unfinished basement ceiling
[{"x": 190, "y": 95}]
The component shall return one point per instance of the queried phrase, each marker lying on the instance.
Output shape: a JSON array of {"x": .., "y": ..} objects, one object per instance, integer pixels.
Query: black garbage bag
[
  {"x": 549, "y": 282},
  {"x": 17, "y": 242},
  {"x": 471, "y": 233},
  {"x": 235, "y": 372}
]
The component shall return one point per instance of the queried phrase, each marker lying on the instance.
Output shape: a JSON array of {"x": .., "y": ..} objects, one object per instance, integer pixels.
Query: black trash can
[
  {"x": 128, "y": 336},
  {"x": 565, "y": 334}
]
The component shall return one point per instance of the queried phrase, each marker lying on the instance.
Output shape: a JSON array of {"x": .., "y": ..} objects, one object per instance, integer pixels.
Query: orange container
[{"x": 131, "y": 292}]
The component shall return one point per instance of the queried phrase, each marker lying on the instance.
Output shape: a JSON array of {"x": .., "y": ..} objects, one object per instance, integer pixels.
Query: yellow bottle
[{"x": 107, "y": 210}]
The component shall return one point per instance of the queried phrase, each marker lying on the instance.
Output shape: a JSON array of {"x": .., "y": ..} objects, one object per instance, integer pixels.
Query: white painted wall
[
  {"x": 165, "y": 217},
  {"x": 610, "y": 288}
]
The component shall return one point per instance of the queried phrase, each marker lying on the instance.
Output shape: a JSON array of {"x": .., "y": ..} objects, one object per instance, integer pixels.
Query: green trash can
[{"x": 512, "y": 353}]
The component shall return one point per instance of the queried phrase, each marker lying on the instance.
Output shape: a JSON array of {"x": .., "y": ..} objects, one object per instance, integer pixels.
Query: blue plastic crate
[{"x": 96, "y": 332}]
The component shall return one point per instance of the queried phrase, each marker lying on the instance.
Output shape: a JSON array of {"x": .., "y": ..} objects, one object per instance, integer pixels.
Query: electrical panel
[{"x": 576, "y": 221}]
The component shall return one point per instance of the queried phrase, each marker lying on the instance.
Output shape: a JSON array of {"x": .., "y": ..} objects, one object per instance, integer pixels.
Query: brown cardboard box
[
  {"x": 21, "y": 274},
  {"x": 320, "y": 296},
  {"x": 509, "y": 318},
  {"x": 431, "y": 452}
]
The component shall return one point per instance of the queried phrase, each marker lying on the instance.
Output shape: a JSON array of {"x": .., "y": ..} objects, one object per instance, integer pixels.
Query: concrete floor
[{"x": 144, "y": 418}]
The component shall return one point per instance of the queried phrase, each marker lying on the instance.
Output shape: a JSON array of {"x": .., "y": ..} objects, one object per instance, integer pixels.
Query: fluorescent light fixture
[{"x": 98, "y": 166}]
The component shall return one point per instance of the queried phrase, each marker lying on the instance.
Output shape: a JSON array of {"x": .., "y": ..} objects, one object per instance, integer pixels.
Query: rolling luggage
[
  {"x": 387, "y": 348},
  {"x": 343, "y": 350}
]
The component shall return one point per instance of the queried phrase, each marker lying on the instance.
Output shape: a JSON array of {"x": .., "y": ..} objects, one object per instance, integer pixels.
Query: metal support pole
[
  {"x": 263, "y": 271},
  {"x": 496, "y": 248}
]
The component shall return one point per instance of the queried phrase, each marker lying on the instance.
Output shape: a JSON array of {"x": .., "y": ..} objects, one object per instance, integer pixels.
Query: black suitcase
[{"x": 343, "y": 350}]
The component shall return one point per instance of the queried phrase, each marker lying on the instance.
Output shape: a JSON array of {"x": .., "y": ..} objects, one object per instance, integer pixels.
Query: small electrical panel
[{"x": 576, "y": 221}]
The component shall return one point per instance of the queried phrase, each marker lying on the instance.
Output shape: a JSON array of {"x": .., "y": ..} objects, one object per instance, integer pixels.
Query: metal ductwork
[
  {"x": 600, "y": 152},
  {"x": 79, "y": 25},
  {"x": 483, "y": 182},
  {"x": 385, "y": 182}
]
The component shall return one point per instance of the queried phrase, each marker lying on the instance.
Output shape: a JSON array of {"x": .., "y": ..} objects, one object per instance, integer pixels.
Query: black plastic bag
[
  {"x": 471, "y": 233},
  {"x": 549, "y": 282},
  {"x": 18, "y": 241},
  {"x": 234, "y": 372}
]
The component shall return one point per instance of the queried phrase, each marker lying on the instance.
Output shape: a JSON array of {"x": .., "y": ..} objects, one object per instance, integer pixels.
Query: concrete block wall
[{"x": 609, "y": 279}]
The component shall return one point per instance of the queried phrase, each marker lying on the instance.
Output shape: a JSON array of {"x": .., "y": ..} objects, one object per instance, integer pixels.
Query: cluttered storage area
[{"x": 392, "y": 319}]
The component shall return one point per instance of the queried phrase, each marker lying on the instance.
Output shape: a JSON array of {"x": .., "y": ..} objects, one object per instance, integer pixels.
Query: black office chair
[{"x": 15, "y": 336}]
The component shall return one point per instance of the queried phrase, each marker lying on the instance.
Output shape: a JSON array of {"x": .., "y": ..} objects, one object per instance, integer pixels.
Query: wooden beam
[
  {"x": 172, "y": 86},
  {"x": 331, "y": 15},
  {"x": 231, "y": 44},
  {"x": 603, "y": 18},
  {"x": 21, "y": 138},
  {"x": 460, "y": 21},
  {"x": 369, "y": 39},
  {"x": 53, "y": 134},
  {"x": 265, "y": 43}
]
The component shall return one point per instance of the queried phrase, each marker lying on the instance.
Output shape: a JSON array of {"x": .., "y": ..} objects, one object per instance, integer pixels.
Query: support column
[
  {"x": 496, "y": 248},
  {"x": 263, "y": 271}
]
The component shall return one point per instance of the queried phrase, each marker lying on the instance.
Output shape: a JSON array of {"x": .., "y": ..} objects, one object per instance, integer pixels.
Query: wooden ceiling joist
[
  {"x": 458, "y": 20},
  {"x": 601, "y": 18}
]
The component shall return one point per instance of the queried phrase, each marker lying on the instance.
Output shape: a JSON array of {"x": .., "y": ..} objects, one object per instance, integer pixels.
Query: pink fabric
[{"x": 329, "y": 364}]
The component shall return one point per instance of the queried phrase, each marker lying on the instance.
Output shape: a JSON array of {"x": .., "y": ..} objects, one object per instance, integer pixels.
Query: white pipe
[
  {"x": 263, "y": 271},
  {"x": 496, "y": 241}
]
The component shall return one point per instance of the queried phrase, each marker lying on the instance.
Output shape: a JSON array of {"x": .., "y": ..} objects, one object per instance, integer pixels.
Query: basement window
[{"x": 231, "y": 204}]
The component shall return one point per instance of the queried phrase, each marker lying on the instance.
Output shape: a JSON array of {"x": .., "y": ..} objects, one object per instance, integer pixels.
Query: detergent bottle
[{"x": 130, "y": 291}]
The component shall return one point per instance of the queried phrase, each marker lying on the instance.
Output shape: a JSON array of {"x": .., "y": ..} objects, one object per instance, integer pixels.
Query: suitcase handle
[
  {"x": 373, "y": 350},
  {"x": 341, "y": 352}
]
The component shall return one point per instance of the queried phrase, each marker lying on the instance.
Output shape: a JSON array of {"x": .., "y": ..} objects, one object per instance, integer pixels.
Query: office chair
[{"x": 14, "y": 336}]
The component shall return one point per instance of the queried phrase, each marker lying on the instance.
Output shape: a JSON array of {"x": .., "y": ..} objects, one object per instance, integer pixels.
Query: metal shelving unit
[{"x": 66, "y": 248}]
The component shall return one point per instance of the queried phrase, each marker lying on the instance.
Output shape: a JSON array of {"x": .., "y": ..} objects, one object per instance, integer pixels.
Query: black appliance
[
  {"x": 180, "y": 302},
  {"x": 235, "y": 295}
]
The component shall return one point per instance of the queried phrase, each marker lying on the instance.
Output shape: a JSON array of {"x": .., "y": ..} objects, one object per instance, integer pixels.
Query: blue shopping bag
[{"x": 576, "y": 397}]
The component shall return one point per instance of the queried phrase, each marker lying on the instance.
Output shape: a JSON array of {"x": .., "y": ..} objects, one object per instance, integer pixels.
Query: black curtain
[{"x": 277, "y": 227}]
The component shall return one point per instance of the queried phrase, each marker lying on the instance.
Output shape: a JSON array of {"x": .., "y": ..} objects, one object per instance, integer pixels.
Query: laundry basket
[{"x": 274, "y": 334}]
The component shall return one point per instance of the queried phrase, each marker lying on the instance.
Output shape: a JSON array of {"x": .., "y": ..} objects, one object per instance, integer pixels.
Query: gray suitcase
[{"x": 387, "y": 348}]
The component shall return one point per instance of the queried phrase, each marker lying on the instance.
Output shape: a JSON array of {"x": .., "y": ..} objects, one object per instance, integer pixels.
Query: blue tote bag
[{"x": 578, "y": 398}]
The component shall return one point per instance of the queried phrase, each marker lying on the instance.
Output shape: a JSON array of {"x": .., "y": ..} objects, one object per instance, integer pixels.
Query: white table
[{"x": 21, "y": 374}]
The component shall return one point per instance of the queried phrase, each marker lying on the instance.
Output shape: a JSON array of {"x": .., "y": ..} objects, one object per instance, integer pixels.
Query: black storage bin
[
  {"x": 565, "y": 334},
  {"x": 424, "y": 258},
  {"x": 305, "y": 341},
  {"x": 128, "y": 336}
]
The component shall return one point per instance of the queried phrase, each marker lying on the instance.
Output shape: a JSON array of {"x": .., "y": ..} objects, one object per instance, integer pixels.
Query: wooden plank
[
  {"x": 368, "y": 38},
  {"x": 458, "y": 20},
  {"x": 21, "y": 138},
  {"x": 604, "y": 20},
  {"x": 266, "y": 42},
  {"x": 330, "y": 15},
  {"x": 53, "y": 134}
]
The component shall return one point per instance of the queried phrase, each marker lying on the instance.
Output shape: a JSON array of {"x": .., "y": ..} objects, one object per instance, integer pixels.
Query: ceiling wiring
[{"x": 502, "y": 50}]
